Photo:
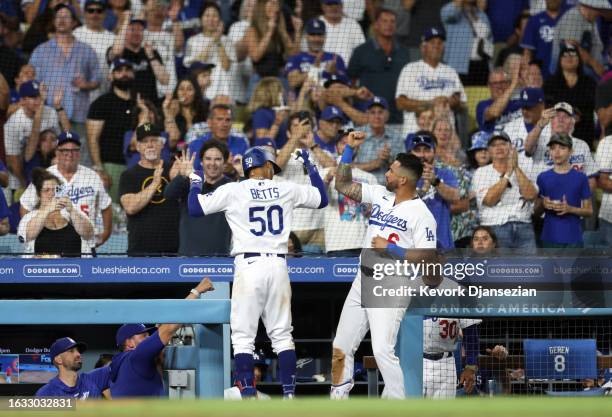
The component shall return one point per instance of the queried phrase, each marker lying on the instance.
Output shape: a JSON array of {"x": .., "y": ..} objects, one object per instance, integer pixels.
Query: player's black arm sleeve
[
  {"x": 471, "y": 341},
  {"x": 317, "y": 182},
  {"x": 177, "y": 189}
]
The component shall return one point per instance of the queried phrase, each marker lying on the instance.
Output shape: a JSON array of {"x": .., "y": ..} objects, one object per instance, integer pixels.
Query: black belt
[
  {"x": 437, "y": 356},
  {"x": 254, "y": 254}
]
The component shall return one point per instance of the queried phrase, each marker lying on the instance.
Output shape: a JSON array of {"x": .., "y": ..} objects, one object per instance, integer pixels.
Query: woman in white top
[
  {"x": 55, "y": 226},
  {"x": 242, "y": 68},
  {"x": 212, "y": 47}
]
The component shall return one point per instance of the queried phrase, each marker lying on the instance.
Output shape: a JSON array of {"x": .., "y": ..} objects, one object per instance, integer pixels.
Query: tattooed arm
[{"x": 344, "y": 175}]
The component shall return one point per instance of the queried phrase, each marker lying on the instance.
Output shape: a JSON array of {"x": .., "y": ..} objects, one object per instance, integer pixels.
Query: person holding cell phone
[{"x": 55, "y": 226}]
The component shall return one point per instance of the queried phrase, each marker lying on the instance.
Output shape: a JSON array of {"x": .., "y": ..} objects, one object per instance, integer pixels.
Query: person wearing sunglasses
[
  {"x": 438, "y": 186},
  {"x": 100, "y": 39}
]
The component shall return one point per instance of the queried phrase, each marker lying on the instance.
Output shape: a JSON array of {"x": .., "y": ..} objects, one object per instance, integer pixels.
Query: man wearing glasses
[
  {"x": 95, "y": 35},
  {"x": 493, "y": 113},
  {"x": 81, "y": 184}
]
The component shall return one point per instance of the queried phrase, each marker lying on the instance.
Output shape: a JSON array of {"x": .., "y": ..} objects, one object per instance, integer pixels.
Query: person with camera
[{"x": 55, "y": 226}]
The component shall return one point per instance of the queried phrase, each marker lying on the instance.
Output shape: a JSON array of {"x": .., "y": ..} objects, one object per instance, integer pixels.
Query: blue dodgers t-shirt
[
  {"x": 304, "y": 60},
  {"x": 539, "y": 35},
  {"x": 326, "y": 146},
  {"x": 574, "y": 185},
  {"x": 502, "y": 15},
  {"x": 263, "y": 118},
  {"x": 88, "y": 385},
  {"x": 511, "y": 112},
  {"x": 134, "y": 372},
  {"x": 440, "y": 208},
  {"x": 237, "y": 145}
]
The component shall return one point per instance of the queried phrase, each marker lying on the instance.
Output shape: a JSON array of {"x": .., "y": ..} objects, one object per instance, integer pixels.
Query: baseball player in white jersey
[
  {"x": 399, "y": 220},
  {"x": 440, "y": 336},
  {"x": 259, "y": 211},
  {"x": 82, "y": 185}
]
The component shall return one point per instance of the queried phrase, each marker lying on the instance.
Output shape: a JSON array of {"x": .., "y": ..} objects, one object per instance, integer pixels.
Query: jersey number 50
[{"x": 268, "y": 225}]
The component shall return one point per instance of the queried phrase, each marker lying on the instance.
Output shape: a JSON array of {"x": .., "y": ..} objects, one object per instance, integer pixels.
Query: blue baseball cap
[
  {"x": 65, "y": 343},
  {"x": 128, "y": 330},
  {"x": 315, "y": 27},
  {"x": 332, "y": 1},
  {"x": 120, "y": 62},
  {"x": 329, "y": 79},
  {"x": 29, "y": 89},
  {"x": 480, "y": 140},
  {"x": 68, "y": 136},
  {"x": 199, "y": 65},
  {"x": 331, "y": 113},
  {"x": 420, "y": 138},
  {"x": 433, "y": 32},
  {"x": 378, "y": 101},
  {"x": 530, "y": 97}
]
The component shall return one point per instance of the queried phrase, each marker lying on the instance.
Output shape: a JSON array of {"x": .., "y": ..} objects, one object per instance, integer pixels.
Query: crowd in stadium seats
[{"x": 507, "y": 103}]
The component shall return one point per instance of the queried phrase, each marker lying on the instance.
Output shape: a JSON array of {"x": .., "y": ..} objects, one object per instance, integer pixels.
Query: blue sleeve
[
  {"x": 100, "y": 377},
  {"x": 541, "y": 185},
  {"x": 2, "y": 166},
  {"x": 263, "y": 118},
  {"x": 450, "y": 13},
  {"x": 471, "y": 341},
  {"x": 530, "y": 34},
  {"x": 448, "y": 177},
  {"x": 317, "y": 182},
  {"x": 585, "y": 190},
  {"x": 4, "y": 210},
  {"x": 193, "y": 204},
  {"x": 143, "y": 357},
  {"x": 481, "y": 107}
]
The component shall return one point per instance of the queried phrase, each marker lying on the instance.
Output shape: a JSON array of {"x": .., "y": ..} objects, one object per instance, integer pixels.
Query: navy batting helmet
[{"x": 257, "y": 157}]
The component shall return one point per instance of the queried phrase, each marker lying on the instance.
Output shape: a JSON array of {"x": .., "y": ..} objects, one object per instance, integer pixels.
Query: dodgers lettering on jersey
[
  {"x": 441, "y": 334},
  {"x": 259, "y": 212},
  {"x": 408, "y": 224},
  {"x": 439, "y": 83}
]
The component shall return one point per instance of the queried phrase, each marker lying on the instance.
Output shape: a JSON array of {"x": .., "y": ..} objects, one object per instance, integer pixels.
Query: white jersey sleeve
[
  {"x": 218, "y": 200},
  {"x": 371, "y": 193},
  {"x": 29, "y": 198},
  {"x": 424, "y": 233},
  {"x": 464, "y": 323},
  {"x": 306, "y": 196}
]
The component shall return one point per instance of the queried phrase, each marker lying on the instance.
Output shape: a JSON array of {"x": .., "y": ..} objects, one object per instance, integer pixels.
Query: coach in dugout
[
  {"x": 134, "y": 371},
  {"x": 66, "y": 356}
]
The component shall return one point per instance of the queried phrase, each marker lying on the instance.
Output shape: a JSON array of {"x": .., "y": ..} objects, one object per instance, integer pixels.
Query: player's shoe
[{"x": 341, "y": 392}]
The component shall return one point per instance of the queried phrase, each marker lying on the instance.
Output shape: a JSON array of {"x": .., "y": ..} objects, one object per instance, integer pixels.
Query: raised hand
[{"x": 356, "y": 139}]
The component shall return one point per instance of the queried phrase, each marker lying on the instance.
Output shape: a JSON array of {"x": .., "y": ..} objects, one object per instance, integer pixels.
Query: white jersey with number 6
[
  {"x": 409, "y": 224},
  {"x": 259, "y": 212}
]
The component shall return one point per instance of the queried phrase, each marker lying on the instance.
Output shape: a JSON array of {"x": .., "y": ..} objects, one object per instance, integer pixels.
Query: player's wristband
[
  {"x": 393, "y": 249},
  {"x": 195, "y": 292},
  {"x": 347, "y": 155}
]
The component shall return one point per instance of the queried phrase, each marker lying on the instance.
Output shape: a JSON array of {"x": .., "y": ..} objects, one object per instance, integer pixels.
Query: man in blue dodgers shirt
[
  {"x": 66, "y": 356},
  {"x": 315, "y": 60},
  {"x": 437, "y": 186},
  {"x": 220, "y": 118},
  {"x": 134, "y": 371}
]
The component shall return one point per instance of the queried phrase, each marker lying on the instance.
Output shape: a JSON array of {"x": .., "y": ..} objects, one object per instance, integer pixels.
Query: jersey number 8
[{"x": 268, "y": 225}]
